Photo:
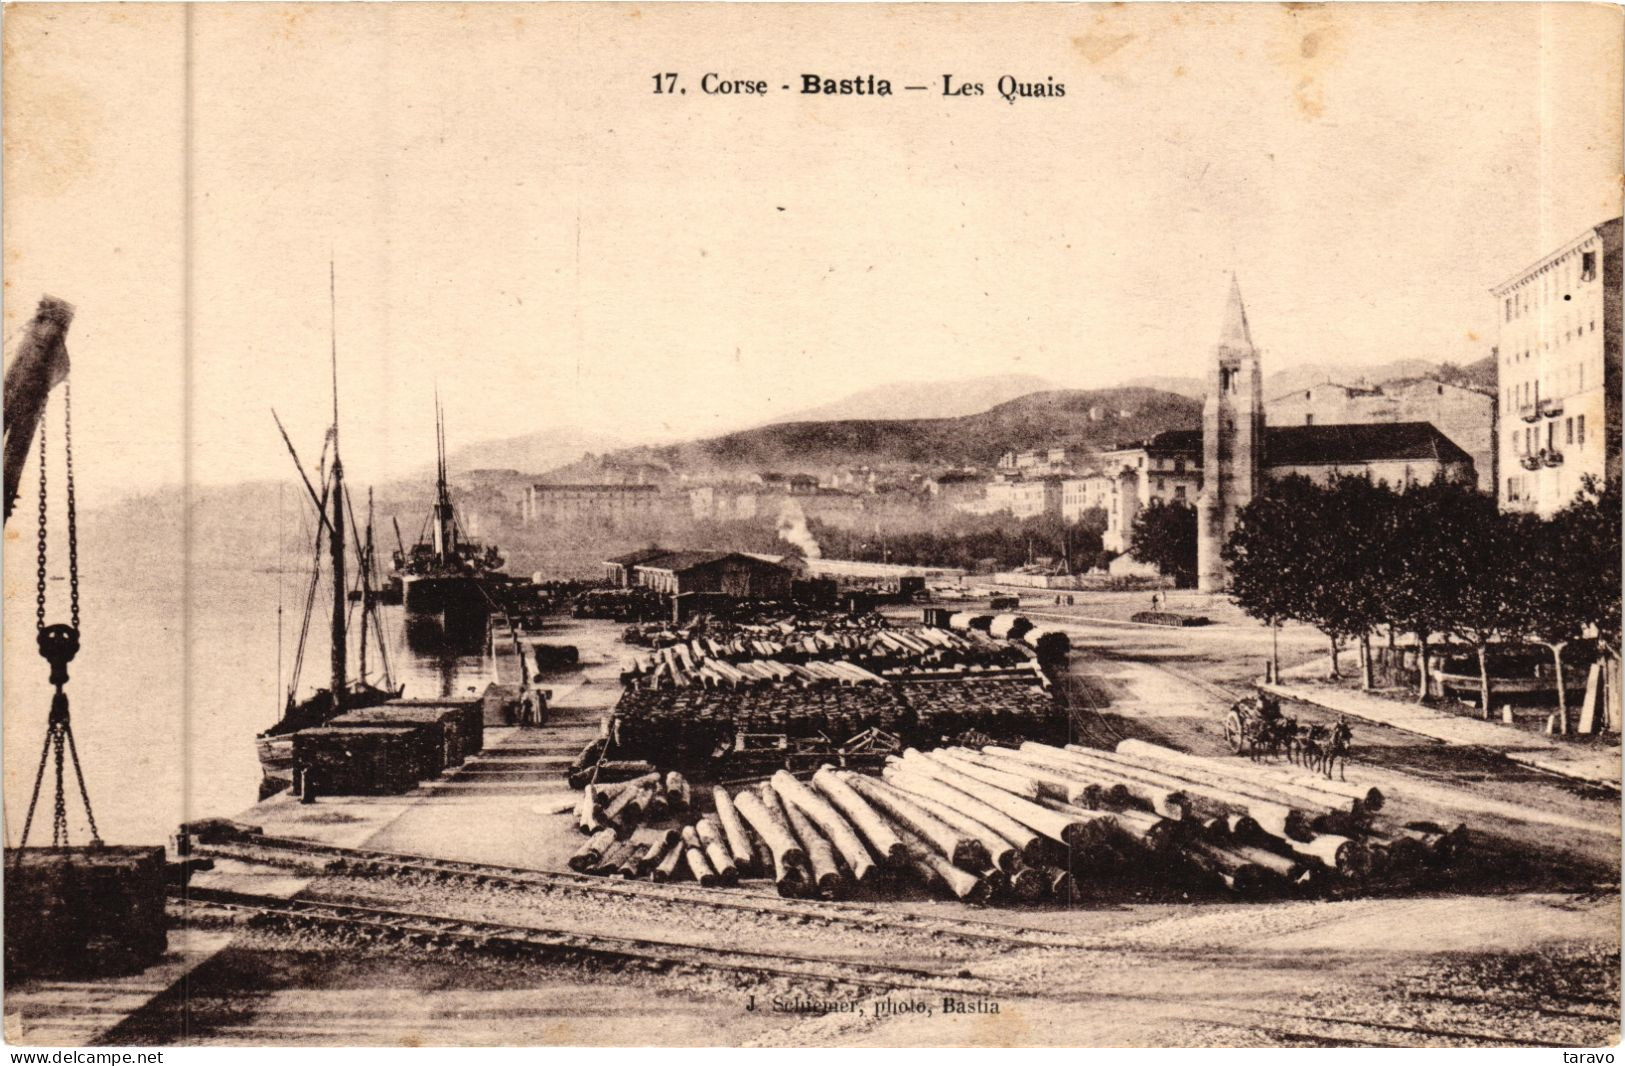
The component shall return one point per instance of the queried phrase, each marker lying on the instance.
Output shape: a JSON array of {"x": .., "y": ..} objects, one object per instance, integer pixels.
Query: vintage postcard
[{"x": 673, "y": 524}]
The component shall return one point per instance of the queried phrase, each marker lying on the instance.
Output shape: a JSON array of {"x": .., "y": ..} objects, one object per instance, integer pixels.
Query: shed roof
[
  {"x": 642, "y": 555},
  {"x": 1354, "y": 443}
]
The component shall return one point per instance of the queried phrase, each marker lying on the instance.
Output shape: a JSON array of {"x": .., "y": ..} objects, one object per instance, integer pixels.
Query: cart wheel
[{"x": 1233, "y": 734}]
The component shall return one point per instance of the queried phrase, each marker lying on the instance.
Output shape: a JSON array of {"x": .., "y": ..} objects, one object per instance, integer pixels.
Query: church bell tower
[{"x": 1232, "y": 441}]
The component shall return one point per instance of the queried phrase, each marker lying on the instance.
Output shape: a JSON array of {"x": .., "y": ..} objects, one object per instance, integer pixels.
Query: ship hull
[{"x": 451, "y": 595}]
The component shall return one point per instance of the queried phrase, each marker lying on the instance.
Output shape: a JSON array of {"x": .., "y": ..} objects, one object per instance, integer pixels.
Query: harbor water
[{"x": 174, "y": 679}]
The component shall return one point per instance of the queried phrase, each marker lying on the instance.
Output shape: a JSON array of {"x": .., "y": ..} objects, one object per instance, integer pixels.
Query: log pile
[
  {"x": 1018, "y": 823},
  {"x": 812, "y": 651},
  {"x": 658, "y": 722}
]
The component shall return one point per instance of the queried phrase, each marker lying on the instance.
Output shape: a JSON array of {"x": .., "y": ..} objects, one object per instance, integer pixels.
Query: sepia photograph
[{"x": 783, "y": 525}]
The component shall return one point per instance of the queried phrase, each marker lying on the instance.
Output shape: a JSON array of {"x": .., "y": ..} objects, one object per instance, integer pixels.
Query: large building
[
  {"x": 608, "y": 505},
  {"x": 1165, "y": 469},
  {"x": 1239, "y": 453},
  {"x": 1558, "y": 364},
  {"x": 1465, "y": 414}
]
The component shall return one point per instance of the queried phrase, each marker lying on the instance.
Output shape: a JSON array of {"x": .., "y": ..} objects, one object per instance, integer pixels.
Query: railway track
[
  {"x": 435, "y": 931},
  {"x": 288, "y": 852}
]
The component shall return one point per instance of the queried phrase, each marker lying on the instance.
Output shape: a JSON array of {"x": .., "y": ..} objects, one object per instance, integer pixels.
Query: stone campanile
[{"x": 1232, "y": 441}]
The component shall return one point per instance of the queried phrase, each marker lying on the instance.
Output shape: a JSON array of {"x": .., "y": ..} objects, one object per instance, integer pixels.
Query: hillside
[
  {"x": 1052, "y": 418},
  {"x": 1480, "y": 373},
  {"x": 924, "y": 399}
]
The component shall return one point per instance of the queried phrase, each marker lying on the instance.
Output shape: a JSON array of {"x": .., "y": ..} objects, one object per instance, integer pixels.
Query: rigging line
[
  {"x": 304, "y": 629},
  {"x": 321, "y": 502},
  {"x": 281, "y": 551}
]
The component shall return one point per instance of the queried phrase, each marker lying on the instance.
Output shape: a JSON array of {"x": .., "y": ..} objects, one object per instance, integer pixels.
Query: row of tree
[
  {"x": 1438, "y": 560},
  {"x": 970, "y": 542}
]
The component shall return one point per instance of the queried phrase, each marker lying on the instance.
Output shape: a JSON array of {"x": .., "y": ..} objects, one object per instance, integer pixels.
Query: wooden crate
[
  {"x": 472, "y": 717},
  {"x": 442, "y": 728},
  {"x": 83, "y": 912},
  {"x": 358, "y": 761}
]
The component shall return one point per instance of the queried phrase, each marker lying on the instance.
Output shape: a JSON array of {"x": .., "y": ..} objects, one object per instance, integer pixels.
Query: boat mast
[
  {"x": 445, "y": 524},
  {"x": 366, "y": 591},
  {"x": 336, "y": 520}
]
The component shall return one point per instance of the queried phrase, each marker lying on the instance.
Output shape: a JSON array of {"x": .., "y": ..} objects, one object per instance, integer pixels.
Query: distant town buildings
[
  {"x": 606, "y": 504},
  {"x": 1558, "y": 370}
]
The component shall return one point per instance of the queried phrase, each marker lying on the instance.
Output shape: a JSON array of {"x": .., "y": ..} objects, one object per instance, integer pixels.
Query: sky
[{"x": 516, "y": 219}]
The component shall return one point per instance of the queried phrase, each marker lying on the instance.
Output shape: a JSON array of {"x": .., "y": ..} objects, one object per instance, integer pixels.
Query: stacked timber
[
  {"x": 1015, "y": 824},
  {"x": 650, "y": 723},
  {"x": 714, "y": 654}
]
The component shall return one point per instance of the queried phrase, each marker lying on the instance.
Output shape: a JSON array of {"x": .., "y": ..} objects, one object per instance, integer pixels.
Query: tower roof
[{"x": 1235, "y": 336}]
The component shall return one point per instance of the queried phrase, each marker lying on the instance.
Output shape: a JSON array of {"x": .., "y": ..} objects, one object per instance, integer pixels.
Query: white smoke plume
[{"x": 793, "y": 530}]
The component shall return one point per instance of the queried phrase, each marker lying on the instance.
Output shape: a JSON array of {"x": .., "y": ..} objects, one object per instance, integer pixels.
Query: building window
[
  {"x": 1179, "y": 466},
  {"x": 1588, "y": 266},
  {"x": 1509, "y": 309},
  {"x": 1309, "y": 419},
  {"x": 1579, "y": 433},
  {"x": 1179, "y": 492},
  {"x": 1161, "y": 486}
]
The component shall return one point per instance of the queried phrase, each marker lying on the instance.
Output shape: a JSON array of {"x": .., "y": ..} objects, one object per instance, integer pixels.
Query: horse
[
  {"x": 1309, "y": 742},
  {"x": 1337, "y": 750}
]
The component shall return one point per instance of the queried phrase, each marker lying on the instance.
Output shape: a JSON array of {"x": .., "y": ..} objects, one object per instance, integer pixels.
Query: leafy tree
[
  {"x": 1356, "y": 531},
  {"x": 1093, "y": 519},
  {"x": 1484, "y": 573},
  {"x": 1268, "y": 555},
  {"x": 1416, "y": 576},
  {"x": 1575, "y": 577},
  {"x": 1164, "y": 535}
]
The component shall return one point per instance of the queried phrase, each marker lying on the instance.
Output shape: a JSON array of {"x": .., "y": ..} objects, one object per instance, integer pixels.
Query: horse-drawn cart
[{"x": 1253, "y": 725}]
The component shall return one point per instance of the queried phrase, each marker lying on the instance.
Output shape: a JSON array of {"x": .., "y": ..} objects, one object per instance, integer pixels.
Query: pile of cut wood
[
  {"x": 658, "y": 722},
  {"x": 713, "y": 655},
  {"x": 1025, "y": 823}
]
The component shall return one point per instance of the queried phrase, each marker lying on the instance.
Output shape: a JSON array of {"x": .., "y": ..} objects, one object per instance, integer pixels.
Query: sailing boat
[
  {"x": 446, "y": 577},
  {"x": 275, "y": 745}
]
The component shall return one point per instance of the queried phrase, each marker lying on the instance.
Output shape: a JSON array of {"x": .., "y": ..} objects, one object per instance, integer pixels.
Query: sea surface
[{"x": 180, "y": 666}]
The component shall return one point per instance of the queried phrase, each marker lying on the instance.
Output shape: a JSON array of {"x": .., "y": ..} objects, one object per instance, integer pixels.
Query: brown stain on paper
[{"x": 1098, "y": 47}]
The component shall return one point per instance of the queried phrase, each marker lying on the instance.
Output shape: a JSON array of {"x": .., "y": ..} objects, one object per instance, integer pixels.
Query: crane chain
[{"x": 58, "y": 645}]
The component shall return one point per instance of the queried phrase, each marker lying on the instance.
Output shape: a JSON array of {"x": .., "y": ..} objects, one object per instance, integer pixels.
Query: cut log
[
  {"x": 1237, "y": 776},
  {"x": 716, "y": 849},
  {"x": 963, "y": 884},
  {"x": 1059, "y": 761},
  {"x": 734, "y": 831},
  {"x": 670, "y": 862},
  {"x": 857, "y": 810},
  {"x": 653, "y": 843},
  {"x": 955, "y": 846},
  {"x": 1276, "y": 818},
  {"x": 612, "y": 858},
  {"x": 694, "y": 856},
  {"x": 678, "y": 793},
  {"x": 1029, "y": 883},
  {"x": 1063, "y": 829},
  {"x": 603, "y": 794},
  {"x": 820, "y": 855},
  {"x": 794, "y": 881},
  {"x": 587, "y": 856},
  {"x": 771, "y": 826},
  {"x": 1026, "y": 841},
  {"x": 1333, "y": 852},
  {"x": 964, "y": 763},
  {"x": 1157, "y": 792},
  {"x": 840, "y": 834},
  {"x": 1051, "y": 783},
  {"x": 625, "y": 809},
  {"x": 1002, "y": 853}
]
